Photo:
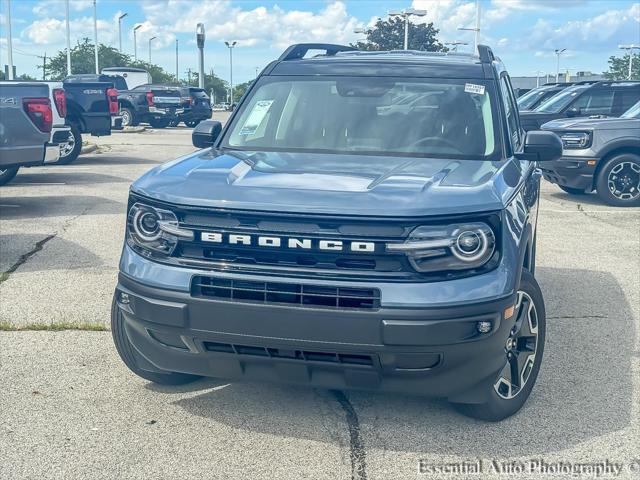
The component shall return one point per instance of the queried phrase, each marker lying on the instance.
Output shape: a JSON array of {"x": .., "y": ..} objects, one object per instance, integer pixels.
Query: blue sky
[{"x": 523, "y": 32}]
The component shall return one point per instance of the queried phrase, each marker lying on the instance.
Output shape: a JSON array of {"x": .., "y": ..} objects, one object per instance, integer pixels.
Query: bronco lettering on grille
[{"x": 293, "y": 243}]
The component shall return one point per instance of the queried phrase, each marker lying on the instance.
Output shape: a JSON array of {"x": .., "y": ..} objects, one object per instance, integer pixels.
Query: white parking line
[{"x": 9, "y": 206}]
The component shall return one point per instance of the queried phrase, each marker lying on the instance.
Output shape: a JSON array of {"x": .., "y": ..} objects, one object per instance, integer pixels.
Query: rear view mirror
[
  {"x": 206, "y": 133},
  {"x": 541, "y": 146}
]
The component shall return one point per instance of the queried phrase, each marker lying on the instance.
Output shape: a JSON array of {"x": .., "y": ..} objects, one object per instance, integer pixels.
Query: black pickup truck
[
  {"x": 92, "y": 107},
  {"x": 157, "y": 105}
]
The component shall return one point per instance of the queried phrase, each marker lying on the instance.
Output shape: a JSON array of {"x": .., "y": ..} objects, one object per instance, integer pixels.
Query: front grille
[
  {"x": 292, "y": 294},
  {"x": 287, "y": 354}
]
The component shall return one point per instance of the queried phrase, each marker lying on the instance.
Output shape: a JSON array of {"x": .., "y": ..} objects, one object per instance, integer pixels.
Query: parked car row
[{"x": 601, "y": 152}]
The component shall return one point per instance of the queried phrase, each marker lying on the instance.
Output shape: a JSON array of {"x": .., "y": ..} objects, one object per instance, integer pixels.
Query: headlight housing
[
  {"x": 575, "y": 140},
  {"x": 453, "y": 247},
  {"x": 154, "y": 230}
]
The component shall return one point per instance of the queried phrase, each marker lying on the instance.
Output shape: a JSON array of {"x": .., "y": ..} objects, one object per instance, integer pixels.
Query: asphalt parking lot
[{"x": 70, "y": 409}]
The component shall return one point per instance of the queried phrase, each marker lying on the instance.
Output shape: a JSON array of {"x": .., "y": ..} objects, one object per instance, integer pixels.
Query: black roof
[{"x": 341, "y": 60}]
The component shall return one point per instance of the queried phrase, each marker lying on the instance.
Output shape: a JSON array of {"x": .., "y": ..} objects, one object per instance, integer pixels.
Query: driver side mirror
[
  {"x": 574, "y": 112},
  {"x": 206, "y": 133},
  {"x": 541, "y": 146}
]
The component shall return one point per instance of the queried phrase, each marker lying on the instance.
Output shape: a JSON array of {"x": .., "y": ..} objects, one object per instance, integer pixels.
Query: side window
[
  {"x": 511, "y": 111},
  {"x": 625, "y": 98},
  {"x": 594, "y": 102}
]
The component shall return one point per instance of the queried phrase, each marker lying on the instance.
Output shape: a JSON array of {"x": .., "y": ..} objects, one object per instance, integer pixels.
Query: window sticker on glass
[
  {"x": 255, "y": 117},
  {"x": 471, "y": 88}
]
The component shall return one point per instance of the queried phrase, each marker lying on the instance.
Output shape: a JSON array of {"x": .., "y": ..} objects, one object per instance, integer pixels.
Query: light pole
[
  {"x": 177, "y": 72},
  {"x": 558, "y": 53},
  {"x": 476, "y": 29},
  {"x": 231, "y": 45},
  {"x": 455, "y": 45},
  {"x": 200, "y": 37},
  {"x": 95, "y": 34},
  {"x": 9, "y": 44},
  {"x": 406, "y": 13},
  {"x": 538, "y": 72},
  {"x": 66, "y": 6},
  {"x": 135, "y": 42},
  {"x": 152, "y": 38},
  {"x": 120, "y": 31},
  {"x": 629, "y": 49}
]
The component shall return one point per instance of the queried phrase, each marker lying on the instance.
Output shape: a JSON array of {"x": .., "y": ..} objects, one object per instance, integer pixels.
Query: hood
[
  {"x": 588, "y": 123},
  {"x": 331, "y": 183}
]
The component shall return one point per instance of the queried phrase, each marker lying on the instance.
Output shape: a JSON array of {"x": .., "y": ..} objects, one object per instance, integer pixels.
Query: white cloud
[
  {"x": 48, "y": 8},
  {"x": 51, "y": 31}
]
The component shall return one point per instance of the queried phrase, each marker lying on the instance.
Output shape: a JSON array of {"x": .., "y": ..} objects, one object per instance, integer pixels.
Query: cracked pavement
[{"x": 70, "y": 409}]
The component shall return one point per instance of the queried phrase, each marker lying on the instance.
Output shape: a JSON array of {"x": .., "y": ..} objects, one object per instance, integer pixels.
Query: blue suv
[{"x": 364, "y": 220}]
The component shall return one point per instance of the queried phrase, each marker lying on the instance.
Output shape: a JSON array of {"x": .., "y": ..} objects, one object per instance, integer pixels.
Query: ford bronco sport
[{"x": 364, "y": 220}]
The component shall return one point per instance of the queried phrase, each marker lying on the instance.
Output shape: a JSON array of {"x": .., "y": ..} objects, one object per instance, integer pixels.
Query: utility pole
[
  {"x": 629, "y": 49},
  {"x": 476, "y": 29},
  {"x": 189, "y": 76},
  {"x": 405, "y": 14},
  {"x": 44, "y": 66},
  {"x": 120, "y": 31},
  {"x": 231, "y": 45},
  {"x": 558, "y": 53},
  {"x": 177, "y": 71},
  {"x": 66, "y": 6},
  {"x": 9, "y": 43},
  {"x": 200, "y": 41},
  {"x": 135, "y": 42},
  {"x": 95, "y": 34}
]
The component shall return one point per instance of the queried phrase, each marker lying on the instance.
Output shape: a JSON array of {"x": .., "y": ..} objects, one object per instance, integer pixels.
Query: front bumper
[
  {"x": 573, "y": 172},
  {"x": 116, "y": 122},
  {"x": 432, "y": 350}
]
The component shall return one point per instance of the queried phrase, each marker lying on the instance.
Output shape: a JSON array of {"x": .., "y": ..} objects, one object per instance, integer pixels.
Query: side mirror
[
  {"x": 206, "y": 133},
  {"x": 573, "y": 112},
  {"x": 541, "y": 146}
]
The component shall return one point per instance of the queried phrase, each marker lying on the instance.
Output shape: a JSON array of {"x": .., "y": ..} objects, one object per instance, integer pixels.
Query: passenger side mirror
[
  {"x": 541, "y": 146},
  {"x": 206, "y": 133},
  {"x": 574, "y": 112}
]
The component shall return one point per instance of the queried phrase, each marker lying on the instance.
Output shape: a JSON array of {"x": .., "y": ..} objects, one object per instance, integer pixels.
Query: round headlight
[
  {"x": 145, "y": 225},
  {"x": 473, "y": 244}
]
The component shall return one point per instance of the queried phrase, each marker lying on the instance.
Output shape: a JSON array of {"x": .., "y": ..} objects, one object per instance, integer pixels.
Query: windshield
[
  {"x": 558, "y": 102},
  {"x": 633, "y": 112},
  {"x": 368, "y": 115},
  {"x": 531, "y": 99}
]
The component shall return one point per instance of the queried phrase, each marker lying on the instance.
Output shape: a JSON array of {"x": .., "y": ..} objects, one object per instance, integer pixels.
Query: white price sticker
[{"x": 471, "y": 88}]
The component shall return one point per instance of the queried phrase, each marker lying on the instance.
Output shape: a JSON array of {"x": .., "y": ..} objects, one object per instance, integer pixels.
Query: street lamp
[
  {"x": 558, "y": 53},
  {"x": 120, "y": 31},
  {"x": 135, "y": 42},
  {"x": 455, "y": 45},
  {"x": 476, "y": 29},
  {"x": 66, "y": 5},
  {"x": 538, "y": 72},
  {"x": 629, "y": 49},
  {"x": 152, "y": 38},
  {"x": 231, "y": 45},
  {"x": 95, "y": 35},
  {"x": 200, "y": 37},
  {"x": 406, "y": 13},
  {"x": 177, "y": 73},
  {"x": 9, "y": 43}
]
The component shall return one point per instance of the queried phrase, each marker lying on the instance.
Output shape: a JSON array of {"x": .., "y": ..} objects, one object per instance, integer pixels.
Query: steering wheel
[{"x": 440, "y": 140}]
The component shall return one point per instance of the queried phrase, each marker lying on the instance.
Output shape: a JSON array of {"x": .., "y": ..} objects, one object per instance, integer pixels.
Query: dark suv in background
[
  {"x": 534, "y": 98},
  {"x": 331, "y": 236},
  {"x": 601, "y": 154},
  {"x": 196, "y": 106},
  {"x": 583, "y": 100}
]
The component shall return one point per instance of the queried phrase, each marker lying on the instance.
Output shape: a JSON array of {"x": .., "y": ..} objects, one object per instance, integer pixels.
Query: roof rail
[
  {"x": 299, "y": 50},
  {"x": 486, "y": 54}
]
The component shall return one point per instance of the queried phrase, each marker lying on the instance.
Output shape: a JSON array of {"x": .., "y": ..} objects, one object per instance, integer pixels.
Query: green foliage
[
  {"x": 83, "y": 61},
  {"x": 389, "y": 35},
  {"x": 619, "y": 68},
  {"x": 240, "y": 89},
  {"x": 211, "y": 83},
  {"x": 23, "y": 77}
]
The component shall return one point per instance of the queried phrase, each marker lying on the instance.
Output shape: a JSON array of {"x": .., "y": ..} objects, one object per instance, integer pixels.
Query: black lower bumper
[
  {"x": 569, "y": 172},
  {"x": 432, "y": 351}
]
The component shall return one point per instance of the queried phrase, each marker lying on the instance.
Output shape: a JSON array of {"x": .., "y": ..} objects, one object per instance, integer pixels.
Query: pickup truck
[
  {"x": 92, "y": 107},
  {"x": 157, "y": 105},
  {"x": 27, "y": 133}
]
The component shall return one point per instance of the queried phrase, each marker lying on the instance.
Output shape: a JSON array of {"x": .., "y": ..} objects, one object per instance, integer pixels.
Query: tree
[
  {"x": 240, "y": 89},
  {"x": 212, "y": 83},
  {"x": 619, "y": 68},
  {"x": 389, "y": 35},
  {"x": 24, "y": 77},
  {"x": 83, "y": 61}
]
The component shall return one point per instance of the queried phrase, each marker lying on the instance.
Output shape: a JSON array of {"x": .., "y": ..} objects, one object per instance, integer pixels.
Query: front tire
[
  {"x": 70, "y": 150},
  {"x": 7, "y": 174},
  {"x": 129, "y": 118},
  {"x": 125, "y": 350},
  {"x": 618, "y": 182},
  {"x": 523, "y": 357}
]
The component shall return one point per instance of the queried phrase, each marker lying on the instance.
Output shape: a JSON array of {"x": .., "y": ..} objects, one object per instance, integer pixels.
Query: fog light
[
  {"x": 483, "y": 327},
  {"x": 124, "y": 298}
]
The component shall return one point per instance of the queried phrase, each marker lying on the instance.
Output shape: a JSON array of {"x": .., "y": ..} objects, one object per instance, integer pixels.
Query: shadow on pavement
[
  {"x": 120, "y": 159},
  {"x": 584, "y": 389},
  {"x": 70, "y": 177},
  {"x": 16, "y": 207}
]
